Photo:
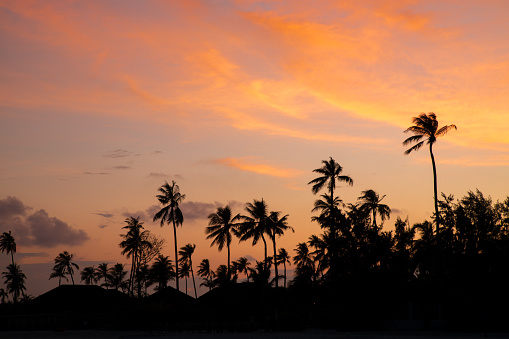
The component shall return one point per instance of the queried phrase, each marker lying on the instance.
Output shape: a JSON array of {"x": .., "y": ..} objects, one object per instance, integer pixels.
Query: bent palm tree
[
  {"x": 88, "y": 274},
  {"x": 162, "y": 271},
  {"x": 221, "y": 227},
  {"x": 370, "y": 203},
  {"x": 170, "y": 198},
  {"x": 8, "y": 244},
  {"x": 277, "y": 226},
  {"x": 64, "y": 264},
  {"x": 243, "y": 266},
  {"x": 186, "y": 255},
  {"x": 103, "y": 272},
  {"x": 14, "y": 280},
  {"x": 283, "y": 258},
  {"x": 255, "y": 224},
  {"x": 207, "y": 273},
  {"x": 116, "y": 275},
  {"x": 426, "y": 127}
]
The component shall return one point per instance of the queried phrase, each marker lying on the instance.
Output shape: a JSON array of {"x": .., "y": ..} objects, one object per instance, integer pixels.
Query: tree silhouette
[
  {"x": 88, "y": 274},
  {"x": 170, "y": 198},
  {"x": 330, "y": 173},
  {"x": 254, "y": 225},
  {"x": 134, "y": 241},
  {"x": 370, "y": 202},
  {"x": 102, "y": 271},
  {"x": 186, "y": 256},
  {"x": 185, "y": 269},
  {"x": 64, "y": 264},
  {"x": 8, "y": 244},
  {"x": 14, "y": 280},
  {"x": 283, "y": 258},
  {"x": 207, "y": 273},
  {"x": 221, "y": 228},
  {"x": 116, "y": 275},
  {"x": 162, "y": 271},
  {"x": 58, "y": 272},
  {"x": 425, "y": 129},
  {"x": 276, "y": 226},
  {"x": 242, "y": 266},
  {"x": 3, "y": 295}
]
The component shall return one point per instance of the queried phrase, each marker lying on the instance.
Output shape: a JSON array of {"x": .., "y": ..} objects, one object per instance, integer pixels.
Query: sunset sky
[{"x": 102, "y": 101}]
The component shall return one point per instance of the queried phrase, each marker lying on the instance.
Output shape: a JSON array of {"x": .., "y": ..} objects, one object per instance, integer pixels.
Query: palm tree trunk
[
  {"x": 437, "y": 216},
  {"x": 192, "y": 274},
  {"x": 176, "y": 257},
  {"x": 12, "y": 257},
  {"x": 374, "y": 219},
  {"x": 284, "y": 267},
  {"x": 72, "y": 279},
  {"x": 265, "y": 250},
  {"x": 228, "y": 273},
  {"x": 275, "y": 261}
]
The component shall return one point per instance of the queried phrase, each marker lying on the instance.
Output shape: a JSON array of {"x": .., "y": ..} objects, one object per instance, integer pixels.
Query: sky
[{"x": 101, "y": 102}]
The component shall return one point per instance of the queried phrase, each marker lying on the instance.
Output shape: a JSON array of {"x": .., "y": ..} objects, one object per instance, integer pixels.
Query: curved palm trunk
[
  {"x": 437, "y": 216},
  {"x": 228, "y": 273},
  {"x": 192, "y": 274},
  {"x": 72, "y": 279},
  {"x": 284, "y": 268},
  {"x": 12, "y": 257},
  {"x": 265, "y": 250},
  {"x": 176, "y": 257}
]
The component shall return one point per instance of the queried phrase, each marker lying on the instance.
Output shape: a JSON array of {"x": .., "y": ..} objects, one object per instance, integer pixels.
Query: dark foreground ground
[{"x": 326, "y": 334}]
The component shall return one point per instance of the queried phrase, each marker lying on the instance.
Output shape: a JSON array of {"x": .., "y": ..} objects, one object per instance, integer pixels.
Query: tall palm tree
[
  {"x": 207, "y": 273},
  {"x": 103, "y": 272},
  {"x": 222, "y": 225},
  {"x": 370, "y": 202},
  {"x": 283, "y": 258},
  {"x": 330, "y": 172},
  {"x": 88, "y": 274},
  {"x": 304, "y": 262},
  {"x": 8, "y": 244},
  {"x": 170, "y": 198},
  {"x": 276, "y": 226},
  {"x": 58, "y": 272},
  {"x": 14, "y": 280},
  {"x": 135, "y": 240},
  {"x": 63, "y": 263},
  {"x": 186, "y": 255},
  {"x": 162, "y": 271},
  {"x": 254, "y": 225},
  {"x": 425, "y": 129}
]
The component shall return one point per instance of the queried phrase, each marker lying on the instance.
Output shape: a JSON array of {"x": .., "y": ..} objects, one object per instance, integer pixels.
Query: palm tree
[
  {"x": 426, "y": 127},
  {"x": 103, "y": 272},
  {"x": 162, "y": 271},
  {"x": 370, "y": 203},
  {"x": 8, "y": 244},
  {"x": 134, "y": 241},
  {"x": 305, "y": 263},
  {"x": 64, "y": 264},
  {"x": 3, "y": 295},
  {"x": 58, "y": 272},
  {"x": 170, "y": 198},
  {"x": 221, "y": 227},
  {"x": 283, "y": 258},
  {"x": 14, "y": 280},
  {"x": 88, "y": 274},
  {"x": 255, "y": 224},
  {"x": 330, "y": 173},
  {"x": 116, "y": 275},
  {"x": 243, "y": 266},
  {"x": 207, "y": 273},
  {"x": 186, "y": 253},
  {"x": 277, "y": 226},
  {"x": 184, "y": 272}
]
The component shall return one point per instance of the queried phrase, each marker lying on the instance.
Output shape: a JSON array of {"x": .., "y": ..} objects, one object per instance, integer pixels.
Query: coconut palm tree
[
  {"x": 283, "y": 258},
  {"x": 64, "y": 264},
  {"x": 162, "y": 271},
  {"x": 14, "y": 280},
  {"x": 134, "y": 241},
  {"x": 103, "y": 272},
  {"x": 276, "y": 226},
  {"x": 184, "y": 272},
  {"x": 8, "y": 244},
  {"x": 243, "y": 266},
  {"x": 207, "y": 273},
  {"x": 3, "y": 295},
  {"x": 116, "y": 275},
  {"x": 254, "y": 225},
  {"x": 330, "y": 173},
  {"x": 425, "y": 130},
  {"x": 88, "y": 274},
  {"x": 222, "y": 225},
  {"x": 58, "y": 272},
  {"x": 170, "y": 198},
  {"x": 186, "y": 255},
  {"x": 370, "y": 202}
]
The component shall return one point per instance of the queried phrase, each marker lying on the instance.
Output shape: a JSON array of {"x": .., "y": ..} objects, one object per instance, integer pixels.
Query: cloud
[
  {"x": 104, "y": 214},
  {"x": 121, "y": 167},
  {"x": 194, "y": 210},
  {"x": 246, "y": 164},
  {"x": 31, "y": 255},
  {"x": 103, "y": 226},
  {"x": 96, "y": 173},
  {"x": 157, "y": 175},
  {"x": 37, "y": 228},
  {"x": 118, "y": 153}
]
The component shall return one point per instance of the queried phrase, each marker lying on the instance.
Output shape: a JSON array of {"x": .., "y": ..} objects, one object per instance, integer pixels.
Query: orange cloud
[{"x": 245, "y": 164}]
